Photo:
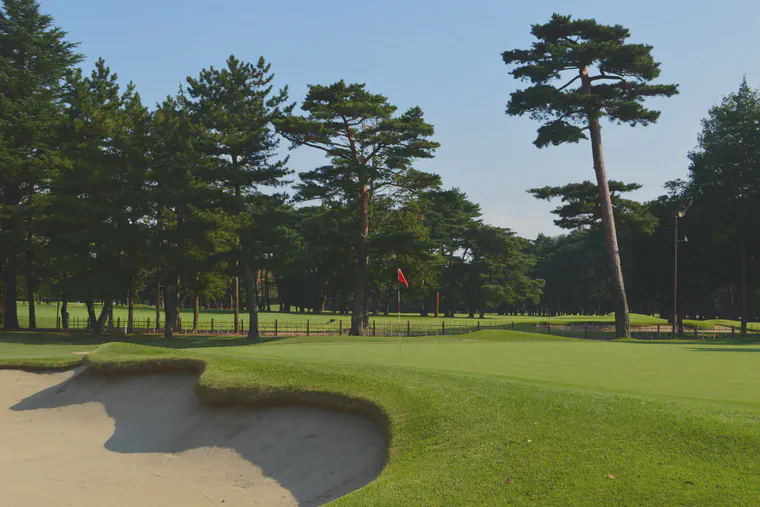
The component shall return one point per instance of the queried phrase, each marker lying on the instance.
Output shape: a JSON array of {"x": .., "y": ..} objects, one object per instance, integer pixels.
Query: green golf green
[{"x": 720, "y": 373}]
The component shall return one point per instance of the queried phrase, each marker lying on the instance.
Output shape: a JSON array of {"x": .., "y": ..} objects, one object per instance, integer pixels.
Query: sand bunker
[{"x": 89, "y": 440}]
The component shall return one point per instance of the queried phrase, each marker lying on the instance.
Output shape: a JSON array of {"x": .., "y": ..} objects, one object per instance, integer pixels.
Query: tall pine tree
[
  {"x": 569, "y": 50},
  {"x": 370, "y": 148},
  {"x": 34, "y": 59},
  {"x": 236, "y": 106}
]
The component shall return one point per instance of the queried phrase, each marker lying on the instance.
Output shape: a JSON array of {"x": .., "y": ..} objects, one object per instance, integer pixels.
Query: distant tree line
[
  {"x": 185, "y": 204},
  {"x": 718, "y": 234},
  {"x": 105, "y": 200}
]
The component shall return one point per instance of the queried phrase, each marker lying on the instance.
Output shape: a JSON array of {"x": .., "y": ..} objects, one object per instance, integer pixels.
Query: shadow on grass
[
  {"x": 748, "y": 340},
  {"x": 81, "y": 338},
  {"x": 733, "y": 349}
]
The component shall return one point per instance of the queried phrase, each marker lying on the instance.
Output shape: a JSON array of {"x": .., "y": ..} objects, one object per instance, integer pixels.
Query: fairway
[{"x": 723, "y": 374}]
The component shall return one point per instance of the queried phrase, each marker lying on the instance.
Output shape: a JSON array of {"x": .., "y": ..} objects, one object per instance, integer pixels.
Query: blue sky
[{"x": 445, "y": 57}]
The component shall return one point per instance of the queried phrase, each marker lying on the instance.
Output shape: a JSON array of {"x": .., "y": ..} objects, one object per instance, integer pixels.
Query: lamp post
[{"x": 679, "y": 213}]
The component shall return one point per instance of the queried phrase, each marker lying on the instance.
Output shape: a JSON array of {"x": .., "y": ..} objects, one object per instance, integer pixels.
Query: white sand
[{"x": 88, "y": 440}]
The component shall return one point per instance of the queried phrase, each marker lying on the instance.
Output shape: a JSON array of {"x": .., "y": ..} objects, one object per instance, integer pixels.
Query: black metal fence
[{"x": 410, "y": 328}]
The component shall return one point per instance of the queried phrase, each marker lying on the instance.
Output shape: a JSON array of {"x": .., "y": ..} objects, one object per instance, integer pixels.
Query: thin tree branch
[
  {"x": 568, "y": 83},
  {"x": 610, "y": 76}
]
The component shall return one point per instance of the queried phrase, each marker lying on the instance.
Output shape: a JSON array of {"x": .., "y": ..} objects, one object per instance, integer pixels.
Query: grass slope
[{"x": 721, "y": 373}]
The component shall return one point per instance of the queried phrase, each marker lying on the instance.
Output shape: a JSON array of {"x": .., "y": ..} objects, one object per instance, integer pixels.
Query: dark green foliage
[
  {"x": 236, "y": 106},
  {"x": 567, "y": 47},
  {"x": 365, "y": 143},
  {"x": 371, "y": 151},
  {"x": 98, "y": 197},
  {"x": 581, "y": 206},
  {"x": 724, "y": 184},
  {"x": 35, "y": 56}
]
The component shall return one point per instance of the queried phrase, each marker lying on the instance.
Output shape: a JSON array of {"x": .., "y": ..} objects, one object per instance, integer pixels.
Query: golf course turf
[{"x": 494, "y": 418}]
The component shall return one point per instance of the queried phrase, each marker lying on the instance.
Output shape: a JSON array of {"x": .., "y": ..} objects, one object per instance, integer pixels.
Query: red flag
[{"x": 402, "y": 279}]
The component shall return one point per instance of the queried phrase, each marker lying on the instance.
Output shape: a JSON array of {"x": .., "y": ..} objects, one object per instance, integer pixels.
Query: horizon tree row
[{"x": 103, "y": 197}]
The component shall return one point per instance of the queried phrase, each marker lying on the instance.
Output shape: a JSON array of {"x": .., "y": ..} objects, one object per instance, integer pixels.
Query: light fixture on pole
[{"x": 679, "y": 213}]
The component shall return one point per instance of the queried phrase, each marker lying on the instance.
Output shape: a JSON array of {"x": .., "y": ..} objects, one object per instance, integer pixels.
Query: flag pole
[{"x": 399, "y": 315}]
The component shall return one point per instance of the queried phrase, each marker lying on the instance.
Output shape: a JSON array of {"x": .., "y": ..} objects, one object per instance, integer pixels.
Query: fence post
[
  {"x": 548, "y": 328},
  {"x": 118, "y": 322},
  {"x": 308, "y": 324},
  {"x": 408, "y": 328},
  {"x": 275, "y": 326},
  {"x": 212, "y": 325},
  {"x": 696, "y": 331},
  {"x": 478, "y": 325},
  {"x": 340, "y": 328},
  {"x": 374, "y": 330},
  {"x": 443, "y": 328},
  {"x": 585, "y": 330},
  {"x": 733, "y": 331}
]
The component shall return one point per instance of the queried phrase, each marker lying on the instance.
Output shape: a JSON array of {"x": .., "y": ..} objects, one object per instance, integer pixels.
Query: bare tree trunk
[
  {"x": 236, "y": 300},
  {"x": 97, "y": 323},
  {"x": 357, "y": 315},
  {"x": 32, "y": 309},
  {"x": 171, "y": 308},
  {"x": 158, "y": 306},
  {"x": 130, "y": 310},
  {"x": 110, "y": 318},
  {"x": 30, "y": 285},
  {"x": 196, "y": 313},
  {"x": 253, "y": 305},
  {"x": 65, "y": 313},
  {"x": 266, "y": 292},
  {"x": 622, "y": 319},
  {"x": 10, "y": 322},
  {"x": 744, "y": 284}
]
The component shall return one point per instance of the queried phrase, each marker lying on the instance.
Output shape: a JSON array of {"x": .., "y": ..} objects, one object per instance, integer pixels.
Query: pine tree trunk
[
  {"x": 158, "y": 306},
  {"x": 30, "y": 286},
  {"x": 622, "y": 319},
  {"x": 10, "y": 322},
  {"x": 357, "y": 315},
  {"x": 65, "y": 313},
  {"x": 97, "y": 322},
  {"x": 110, "y": 318},
  {"x": 130, "y": 310},
  {"x": 32, "y": 309},
  {"x": 171, "y": 309},
  {"x": 91, "y": 318},
  {"x": 236, "y": 300},
  {"x": 253, "y": 305},
  {"x": 744, "y": 285},
  {"x": 196, "y": 313},
  {"x": 266, "y": 292}
]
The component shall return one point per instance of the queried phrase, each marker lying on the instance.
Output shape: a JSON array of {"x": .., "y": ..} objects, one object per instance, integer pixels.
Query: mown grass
[
  {"x": 478, "y": 438},
  {"x": 463, "y": 440}
]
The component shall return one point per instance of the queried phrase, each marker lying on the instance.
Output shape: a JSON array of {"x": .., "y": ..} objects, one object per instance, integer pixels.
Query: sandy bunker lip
[{"x": 82, "y": 439}]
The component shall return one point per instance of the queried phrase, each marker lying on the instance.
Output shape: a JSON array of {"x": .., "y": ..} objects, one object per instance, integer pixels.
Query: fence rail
[{"x": 410, "y": 328}]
